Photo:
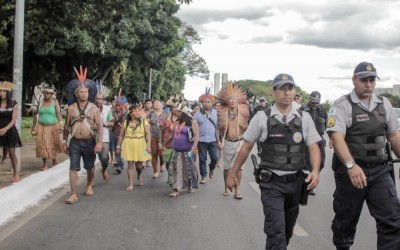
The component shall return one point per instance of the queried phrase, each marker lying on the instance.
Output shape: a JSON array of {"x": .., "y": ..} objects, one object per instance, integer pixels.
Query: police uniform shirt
[
  {"x": 258, "y": 129},
  {"x": 340, "y": 113}
]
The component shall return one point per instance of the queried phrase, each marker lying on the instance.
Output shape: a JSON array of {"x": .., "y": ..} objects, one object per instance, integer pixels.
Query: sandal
[
  {"x": 227, "y": 193},
  {"x": 238, "y": 196},
  {"x": 72, "y": 199}
]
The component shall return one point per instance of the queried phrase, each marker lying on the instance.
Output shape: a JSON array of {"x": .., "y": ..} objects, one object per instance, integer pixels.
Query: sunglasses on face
[{"x": 48, "y": 93}]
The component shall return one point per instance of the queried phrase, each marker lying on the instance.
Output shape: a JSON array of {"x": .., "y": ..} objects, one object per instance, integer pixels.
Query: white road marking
[{"x": 298, "y": 230}]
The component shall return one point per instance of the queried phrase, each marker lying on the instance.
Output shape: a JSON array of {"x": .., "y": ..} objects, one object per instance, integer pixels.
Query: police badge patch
[
  {"x": 331, "y": 122},
  {"x": 362, "y": 117},
  {"x": 297, "y": 137}
]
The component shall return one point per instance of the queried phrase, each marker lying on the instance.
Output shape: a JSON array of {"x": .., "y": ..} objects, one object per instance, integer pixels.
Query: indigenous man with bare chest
[
  {"x": 232, "y": 122},
  {"x": 84, "y": 128}
]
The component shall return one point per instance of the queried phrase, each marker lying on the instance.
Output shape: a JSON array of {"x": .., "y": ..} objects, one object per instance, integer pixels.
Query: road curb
[{"x": 15, "y": 199}]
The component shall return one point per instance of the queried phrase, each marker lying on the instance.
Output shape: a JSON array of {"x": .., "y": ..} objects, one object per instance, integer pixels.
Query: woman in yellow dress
[{"x": 134, "y": 142}]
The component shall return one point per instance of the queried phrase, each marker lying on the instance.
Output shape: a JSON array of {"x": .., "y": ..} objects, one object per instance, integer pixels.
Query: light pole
[
  {"x": 150, "y": 84},
  {"x": 18, "y": 65}
]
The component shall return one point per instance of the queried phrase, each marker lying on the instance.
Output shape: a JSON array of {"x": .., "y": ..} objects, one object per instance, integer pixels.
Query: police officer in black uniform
[
  {"x": 261, "y": 107},
  {"x": 359, "y": 124},
  {"x": 319, "y": 116},
  {"x": 284, "y": 133}
]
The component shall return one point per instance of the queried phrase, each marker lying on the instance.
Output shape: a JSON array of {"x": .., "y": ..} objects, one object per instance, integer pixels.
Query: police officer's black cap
[
  {"x": 365, "y": 69},
  {"x": 282, "y": 79},
  {"x": 315, "y": 96}
]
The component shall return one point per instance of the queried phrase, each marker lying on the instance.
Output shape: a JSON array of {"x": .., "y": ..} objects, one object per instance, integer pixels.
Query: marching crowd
[{"x": 172, "y": 137}]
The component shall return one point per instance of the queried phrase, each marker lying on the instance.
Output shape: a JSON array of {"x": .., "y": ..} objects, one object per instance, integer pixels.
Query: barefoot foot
[
  {"x": 106, "y": 177},
  {"x": 89, "y": 191},
  {"x": 15, "y": 179}
]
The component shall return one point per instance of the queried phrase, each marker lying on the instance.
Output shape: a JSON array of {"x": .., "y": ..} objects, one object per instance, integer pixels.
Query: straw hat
[{"x": 6, "y": 86}]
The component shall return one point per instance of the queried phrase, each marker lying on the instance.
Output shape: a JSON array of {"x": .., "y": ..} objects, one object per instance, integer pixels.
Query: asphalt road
[{"x": 147, "y": 218}]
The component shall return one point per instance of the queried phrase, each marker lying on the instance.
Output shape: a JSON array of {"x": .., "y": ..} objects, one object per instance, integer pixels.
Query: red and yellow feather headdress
[{"x": 207, "y": 95}]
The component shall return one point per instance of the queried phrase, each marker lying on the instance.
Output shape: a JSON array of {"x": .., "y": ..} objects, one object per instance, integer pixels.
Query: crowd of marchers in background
[{"x": 188, "y": 142}]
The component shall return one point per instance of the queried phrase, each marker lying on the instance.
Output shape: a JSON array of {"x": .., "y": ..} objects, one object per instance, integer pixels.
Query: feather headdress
[
  {"x": 101, "y": 89},
  {"x": 207, "y": 95},
  {"x": 232, "y": 91},
  {"x": 74, "y": 85}
]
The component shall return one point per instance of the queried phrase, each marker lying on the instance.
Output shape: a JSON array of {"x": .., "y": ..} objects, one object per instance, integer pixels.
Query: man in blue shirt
[{"x": 207, "y": 121}]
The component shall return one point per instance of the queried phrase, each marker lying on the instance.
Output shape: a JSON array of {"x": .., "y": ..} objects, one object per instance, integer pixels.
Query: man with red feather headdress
[
  {"x": 207, "y": 121},
  {"x": 84, "y": 129}
]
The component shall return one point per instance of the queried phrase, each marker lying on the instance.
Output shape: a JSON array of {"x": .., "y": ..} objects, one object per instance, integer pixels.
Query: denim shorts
[{"x": 82, "y": 148}]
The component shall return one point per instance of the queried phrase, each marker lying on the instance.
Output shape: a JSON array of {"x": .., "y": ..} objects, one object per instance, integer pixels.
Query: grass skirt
[{"x": 48, "y": 142}]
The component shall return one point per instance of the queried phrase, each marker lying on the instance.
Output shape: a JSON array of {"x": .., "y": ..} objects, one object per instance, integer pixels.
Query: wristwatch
[{"x": 350, "y": 164}]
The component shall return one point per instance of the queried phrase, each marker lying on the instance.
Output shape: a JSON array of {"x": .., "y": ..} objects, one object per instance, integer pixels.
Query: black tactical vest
[
  {"x": 284, "y": 148},
  {"x": 318, "y": 116},
  {"x": 366, "y": 137}
]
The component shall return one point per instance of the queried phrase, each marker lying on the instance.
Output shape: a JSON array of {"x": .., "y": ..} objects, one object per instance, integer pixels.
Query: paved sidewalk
[{"x": 30, "y": 191}]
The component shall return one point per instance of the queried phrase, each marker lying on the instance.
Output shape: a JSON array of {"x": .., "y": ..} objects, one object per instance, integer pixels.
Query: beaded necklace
[
  {"x": 178, "y": 129},
  {"x": 134, "y": 127}
]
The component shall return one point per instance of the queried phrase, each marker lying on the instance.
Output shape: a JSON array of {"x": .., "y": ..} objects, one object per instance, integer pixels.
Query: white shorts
[{"x": 230, "y": 151}]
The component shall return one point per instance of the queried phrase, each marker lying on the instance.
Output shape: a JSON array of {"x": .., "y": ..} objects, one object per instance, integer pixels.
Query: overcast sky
[{"x": 318, "y": 42}]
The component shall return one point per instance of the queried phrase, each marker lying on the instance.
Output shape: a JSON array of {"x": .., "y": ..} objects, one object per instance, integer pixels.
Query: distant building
[
  {"x": 224, "y": 79},
  {"x": 217, "y": 83},
  {"x": 393, "y": 91}
]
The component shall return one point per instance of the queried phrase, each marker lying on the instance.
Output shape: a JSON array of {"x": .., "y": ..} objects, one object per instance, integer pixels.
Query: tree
[
  {"x": 256, "y": 89},
  {"x": 393, "y": 99},
  {"x": 118, "y": 40},
  {"x": 194, "y": 63}
]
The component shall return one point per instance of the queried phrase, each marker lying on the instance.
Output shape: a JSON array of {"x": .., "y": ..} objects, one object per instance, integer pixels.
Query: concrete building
[
  {"x": 224, "y": 79},
  {"x": 217, "y": 83},
  {"x": 395, "y": 90}
]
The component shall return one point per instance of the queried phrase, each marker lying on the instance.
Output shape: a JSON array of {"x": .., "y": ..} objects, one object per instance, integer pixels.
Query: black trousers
[
  {"x": 281, "y": 207},
  {"x": 383, "y": 204}
]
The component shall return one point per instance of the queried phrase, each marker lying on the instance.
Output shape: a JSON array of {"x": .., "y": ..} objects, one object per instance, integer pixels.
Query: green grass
[{"x": 26, "y": 127}]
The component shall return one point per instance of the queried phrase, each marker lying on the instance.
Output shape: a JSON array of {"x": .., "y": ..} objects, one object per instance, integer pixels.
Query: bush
[{"x": 26, "y": 127}]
